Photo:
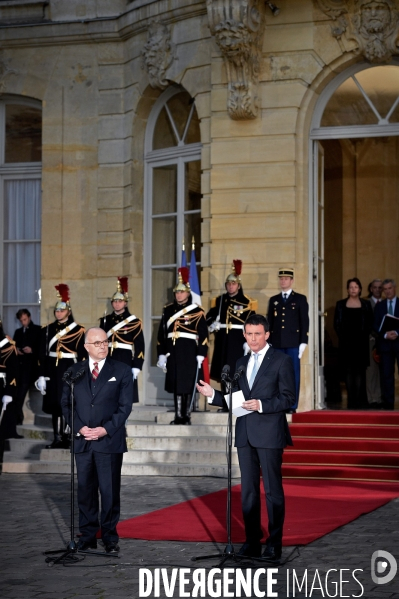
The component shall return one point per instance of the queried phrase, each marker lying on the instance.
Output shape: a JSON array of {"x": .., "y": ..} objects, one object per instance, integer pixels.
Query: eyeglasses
[{"x": 98, "y": 343}]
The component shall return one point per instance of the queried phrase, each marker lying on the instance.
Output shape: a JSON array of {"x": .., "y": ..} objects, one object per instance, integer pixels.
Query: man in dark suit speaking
[
  {"x": 268, "y": 385},
  {"x": 103, "y": 402}
]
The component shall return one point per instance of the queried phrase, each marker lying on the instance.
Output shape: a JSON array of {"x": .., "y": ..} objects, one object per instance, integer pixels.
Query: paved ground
[{"x": 34, "y": 515}]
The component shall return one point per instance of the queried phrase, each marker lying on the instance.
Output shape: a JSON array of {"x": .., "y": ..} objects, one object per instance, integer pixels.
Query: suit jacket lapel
[
  {"x": 244, "y": 381},
  {"x": 105, "y": 375},
  {"x": 87, "y": 377},
  {"x": 264, "y": 365}
]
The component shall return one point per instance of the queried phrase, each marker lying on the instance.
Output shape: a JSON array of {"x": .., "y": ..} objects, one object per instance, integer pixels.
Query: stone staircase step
[
  {"x": 155, "y": 469},
  {"x": 155, "y": 447},
  {"x": 205, "y": 418},
  {"x": 32, "y": 431},
  {"x": 213, "y": 443},
  {"x": 25, "y": 448},
  {"x": 162, "y": 430},
  {"x": 166, "y": 456},
  {"x": 13, "y": 466}
]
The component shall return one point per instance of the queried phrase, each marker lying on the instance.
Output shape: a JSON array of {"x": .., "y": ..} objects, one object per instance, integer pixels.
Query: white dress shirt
[
  {"x": 287, "y": 293},
  {"x": 251, "y": 361},
  {"x": 99, "y": 362}
]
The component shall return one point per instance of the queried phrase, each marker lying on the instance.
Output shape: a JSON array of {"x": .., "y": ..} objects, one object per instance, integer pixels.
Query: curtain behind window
[{"x": 21, "y": 259}]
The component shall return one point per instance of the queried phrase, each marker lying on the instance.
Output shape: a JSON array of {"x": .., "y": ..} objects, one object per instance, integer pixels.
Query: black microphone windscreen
[
  {"x": 225, "y": 372},
  {"x": 239, "y": 372}
]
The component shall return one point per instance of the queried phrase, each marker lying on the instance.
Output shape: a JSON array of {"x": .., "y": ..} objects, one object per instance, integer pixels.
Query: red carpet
[{"x": 313, "y": 509}]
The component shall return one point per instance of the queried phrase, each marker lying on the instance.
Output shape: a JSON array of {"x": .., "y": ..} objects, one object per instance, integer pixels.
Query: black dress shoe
[
  {"x": 271, "y": 554},
  {"x": 56, "y": 444},
  {"x": 251, "y": 550},
  {"x": 112, "y": 547},
  {"x": 85, "y": 545}
]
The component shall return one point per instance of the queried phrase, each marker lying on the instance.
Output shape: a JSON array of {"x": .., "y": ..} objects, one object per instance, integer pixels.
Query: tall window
[
  {"x": 173, "y": 204},
  {"x": 20, "y": 208}
]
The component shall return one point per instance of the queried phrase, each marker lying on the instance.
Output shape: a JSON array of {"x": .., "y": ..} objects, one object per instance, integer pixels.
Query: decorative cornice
[
  {"x": 238, "y": 27},
  {"x": 372, "y": 24},
  {"x": 158, "y": 53}
]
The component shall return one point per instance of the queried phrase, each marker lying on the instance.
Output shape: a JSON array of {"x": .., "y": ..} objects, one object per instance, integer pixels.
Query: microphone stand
[
  {"x": 68, "y": 554},
  {"x": 229, "y": 552}
]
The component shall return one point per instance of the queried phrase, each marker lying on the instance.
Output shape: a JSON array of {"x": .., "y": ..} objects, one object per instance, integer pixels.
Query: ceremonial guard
[
  {"x": 288, "y": 317},
  {"x": 182, "y": 347},
  {"x": 226, "y": 320},
  {"x": 125, "y": 333},
  {"x": 8, "y": 387},
  {"x": 61, "y": 345}
]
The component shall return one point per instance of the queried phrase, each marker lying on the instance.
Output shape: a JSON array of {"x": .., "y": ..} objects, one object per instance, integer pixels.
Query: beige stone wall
[{"x": 255, "y": 174}]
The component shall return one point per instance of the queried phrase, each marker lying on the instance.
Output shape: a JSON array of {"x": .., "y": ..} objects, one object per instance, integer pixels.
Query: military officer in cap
[
  {"x": 182, "y": 347},
  {"x": 61, "y": 345},
  {"x": 288, "y": 317},
  {"x": 125, "y": 333},
  {"x": 226, "y": 320}
]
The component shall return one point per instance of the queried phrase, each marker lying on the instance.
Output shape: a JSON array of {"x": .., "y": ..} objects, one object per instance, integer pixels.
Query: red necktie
[{"x": 95, "y": 372}]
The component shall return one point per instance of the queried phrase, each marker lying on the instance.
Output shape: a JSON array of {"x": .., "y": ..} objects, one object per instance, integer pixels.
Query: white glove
[
  {"x": 246, "y": 348},
  {"x": 200, "y": 359},
  {"x": 135, "y": 373},
  {"x": 215, "y": 326},
  {"x": 40, "y": 384},
  {"x": 6, "y": 400},
  {"x": 162, "y": 362},
  {"x": 302, "y": 348}
]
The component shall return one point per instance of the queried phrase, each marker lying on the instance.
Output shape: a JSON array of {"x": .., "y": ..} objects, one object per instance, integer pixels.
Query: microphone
[
  {"x": 239, "y": 373},
  {"x": 225, "y": 372},
  {"x": 66, "y": 376},
  {"x": 79, "y": 374}
]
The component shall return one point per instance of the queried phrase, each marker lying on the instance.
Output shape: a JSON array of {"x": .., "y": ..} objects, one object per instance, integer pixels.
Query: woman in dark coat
[{"x": 353, "y": 320}]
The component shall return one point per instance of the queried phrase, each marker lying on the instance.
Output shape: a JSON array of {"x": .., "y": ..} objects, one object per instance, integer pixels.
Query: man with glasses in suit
[{"x": 388, "y": 341}]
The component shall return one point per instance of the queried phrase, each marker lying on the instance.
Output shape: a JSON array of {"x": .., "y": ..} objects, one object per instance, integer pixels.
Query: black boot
[
  {"x": 185, "y": 409},
  {"x": 178, "y": 410},
  {"x": 56, "y": 444}
]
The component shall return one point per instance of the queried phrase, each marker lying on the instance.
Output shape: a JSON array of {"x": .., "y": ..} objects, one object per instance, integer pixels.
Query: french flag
[{"x": 196, "y": 295}]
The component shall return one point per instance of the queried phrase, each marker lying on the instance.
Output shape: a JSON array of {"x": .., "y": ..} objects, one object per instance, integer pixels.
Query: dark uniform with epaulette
[
  {"x": 182, "y": 336},
  {"x": 125, "y": 335},
  {"x": 230, "y": 313},
  {"x": 8, "y": 386},
  {"x": 289, "y": 325},
  {"x": 61, "y": 345}
]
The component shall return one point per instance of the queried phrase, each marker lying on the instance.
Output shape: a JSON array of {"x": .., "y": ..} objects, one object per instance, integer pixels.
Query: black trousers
[
  {"x": 252, "y": 460},
  {"x": 388, "y": 360},
  {"x": 99, "y": 472}
]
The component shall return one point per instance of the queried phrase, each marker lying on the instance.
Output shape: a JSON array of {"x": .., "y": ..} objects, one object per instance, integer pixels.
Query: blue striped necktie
[{"x": 254, "y": 370}]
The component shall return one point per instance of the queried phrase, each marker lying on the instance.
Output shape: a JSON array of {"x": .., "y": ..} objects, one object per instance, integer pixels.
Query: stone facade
[{"x": 84, "y": 61}]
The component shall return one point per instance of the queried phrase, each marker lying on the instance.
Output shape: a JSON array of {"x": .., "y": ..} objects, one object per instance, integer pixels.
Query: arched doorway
[
  {"x": 355, "y": 200},
  {"x": 172, "y": 212}
]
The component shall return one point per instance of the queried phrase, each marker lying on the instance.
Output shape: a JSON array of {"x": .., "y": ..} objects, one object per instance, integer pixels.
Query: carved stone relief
[
  {"x": 238, "y": 27},
  {"x": 158, "y": 53},
  {"x": 5, "y": 71},
  {"x": 372, "y": 24}
]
